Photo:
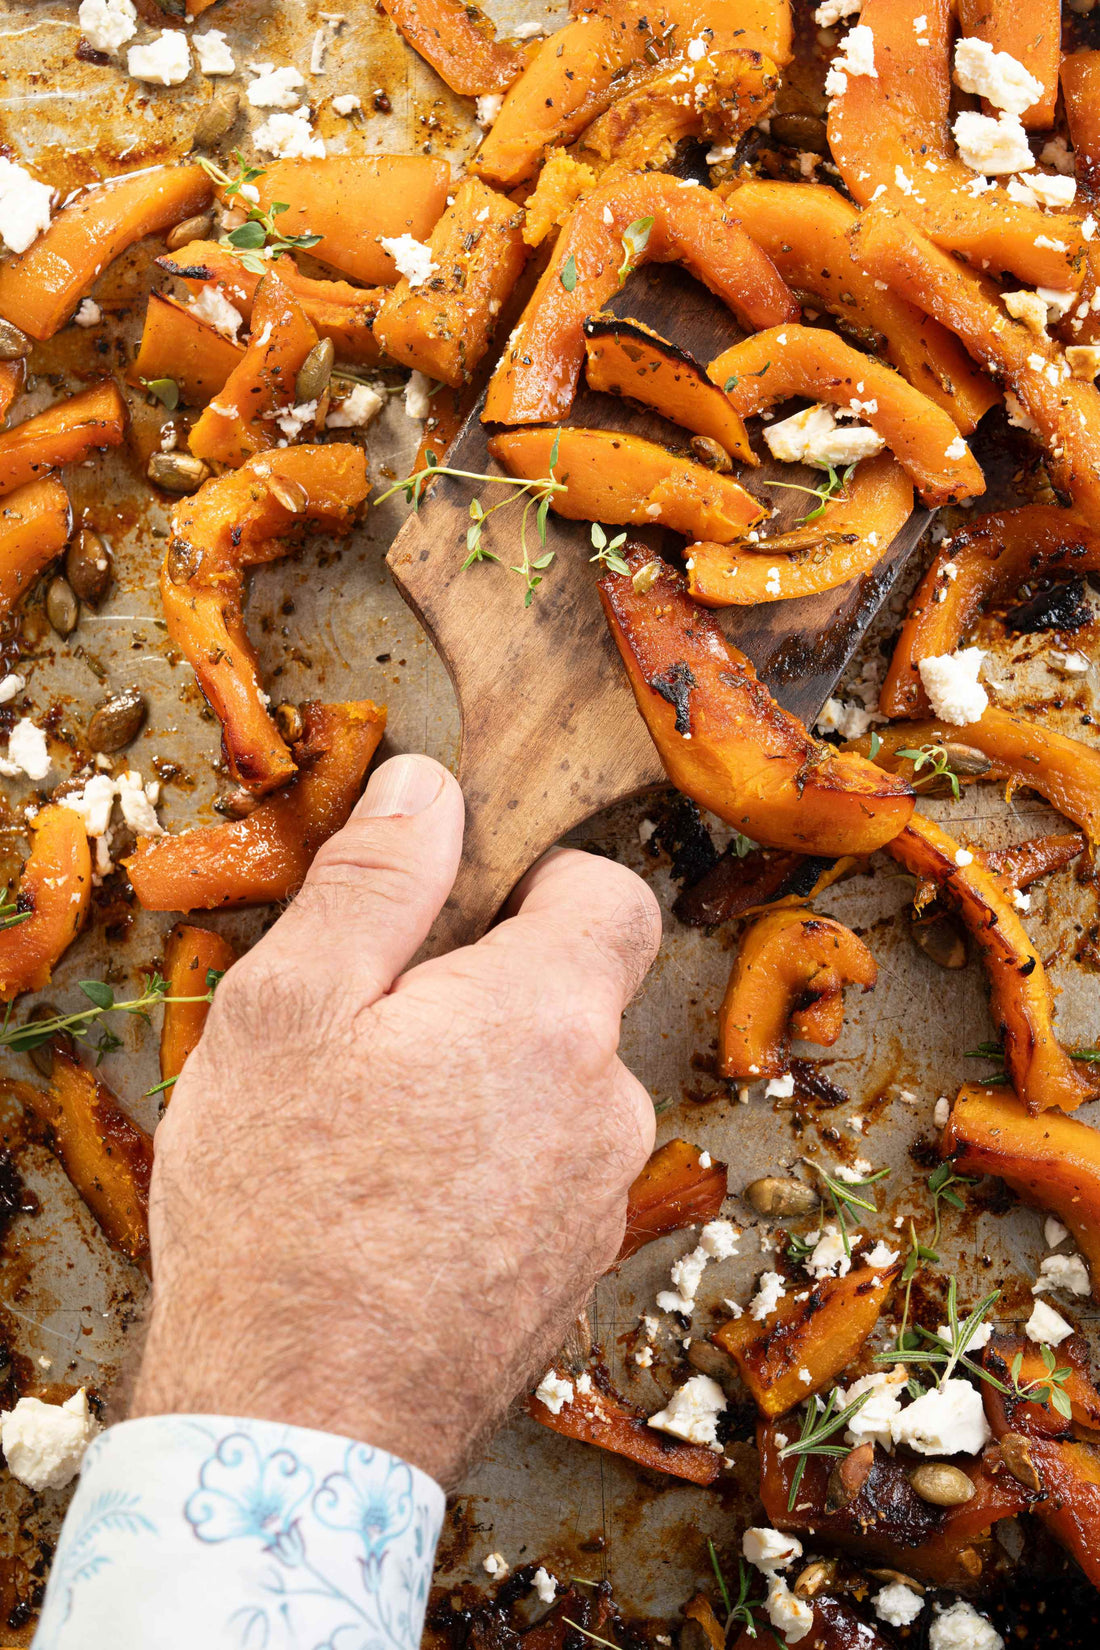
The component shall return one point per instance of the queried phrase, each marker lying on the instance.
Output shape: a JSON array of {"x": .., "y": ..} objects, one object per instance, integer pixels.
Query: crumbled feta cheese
[
  {"x": 89, "y": 314},
  {"x": 495, "y": 1565},
  {"x": 779, "y": 1088},
  {"x": 289, "y": 136},
  {"x": 554, "y": 1391},
  {"x": 545, "y": 1586},
  {"x": 213, "y": 53},
  {"x": 717, "y": 1241},
  {"x": 528, "y": 30},
  {"x": 645, "y": 1357},
  {"x": 1017, "y": 415},
  {"x": 1053, "y": 191},
  {"x": 770, "y": 1290},
  {"x": 790, "y": 1615},
  {"x": 881, "y": 1255},
  {"x": 692, "y": 1412},
  {"x": 412, "y": 257},
  {"x": 956, "y": 449},
  {"x": 1029, "y": 308},
  {"x": 1083, "y": 360},
  {"x": 874, "y": 1423},
  {"x": 1054, "y": 1232},
  {"x": 275, "y": 88},
  {"x": 963, "y": 857},
  {"x": 94, "y": 803},
  {"x": 713, "y": 157},
  {"x": 27, "y": 752},
  {"x": 346, "y": 103},
  {"x": 356, "y": 409},
  {"x": 488, "y": 108},
  {"x": 833, "y": 11},
  {"x": 981, "y": 1337},
  {"x": 856, "y": 57},
  {"x": 992, "y": 146},
  {"x": 137, "y": 804},
  {"x": 1020, "y": 900},
  {"x": 705, "y": 1160},
  {"x": 107, "y": 24},
  {"x": 829, "y": 1259},
  {"x": 1067, "y": 1272},
  {"x": 44, "y": 1444},
  {"x": 1051, "y": 246},
  {"x": 165, "y": 61},
  {"x": 897, "y": 1605},
  {"x": 850, "y": 1174},
  {"x": 948, "y": 1420},
  {"x": 1046, "y": 1326},
  {"x": 418, "y": 395},
  {"x": 997, "y": 76},
  {"x": 951, "y": 683},
  {"x": 293, "y": 420},
  {"x": 845, "y": 717},
  {"x": 813, "y": 436},
  {"x": 24, "y": 206},
  {"x": 697, "y": 49},
  {"x": 770, "y": 1550},
  {"x": 10, "y": 685},
  {"x": 961, "y": 1628},
  {"x": 1056, "y": 152},
  {"x": 212, "y": 306}
]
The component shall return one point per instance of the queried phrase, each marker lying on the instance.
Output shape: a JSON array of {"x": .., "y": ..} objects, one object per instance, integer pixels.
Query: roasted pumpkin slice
[
  {"x": 627, "y": 221},
  {"x": 64, "y": 434},
  {"x": 598, "y": 1415},
  {"x": 40, "y": 288},
  {"x": 619, "y": 478},
  {"x": 805, "y": 231},
  {"x": 233, "y": 522},
  {"x": 1032, "y": 35},
  {"x": 1080, "y": 74},
  {"x": 986, "y": 561},
  {"x": 722, "y": 738},
  {"x": 740, "y": 884},
  {"x": 675, "y": 1189},
  {"x": 1036, "y": 1417},
  {"x": 52, "y": 902},
  {"x": 789, "y": 963},
  {"x": 889, "y": 134},
  {"x": 807, "y": 361},
  {"x": 178, "y": 344},
  {"x": 265, "y": 856},
  {"x": 847, "y": 541},
  {"x": 818, "y": 1334},
  {"x": 1041, "y": 1072},
  {"x": 12, "y": 374},
  {"x": 460, "y": 43},
  {"x": 1068, "y": 1475},
  {"x": 193, "y": 957},
  {"x": 628, "y": 358},
  {"x": 1063, "y": 412},
  {"x": 35, "y": 522}
]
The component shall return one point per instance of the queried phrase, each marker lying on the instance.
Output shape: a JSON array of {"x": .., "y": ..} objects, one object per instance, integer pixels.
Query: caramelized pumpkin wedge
[
  {"x": 600, "y": 243},
  {"x": 338, "y": 310},
  {"x": 1025, "y": 862},
  {"x": 807, "y": 361},
  {"x": 265, "y": 856},
  {"x": 723, "y": 739},
  {"x": 628, "y": 358},
  {"x": 787, "y": 962},
  {"x": 1050, "y": 1160},
  {"x": 890, "y": 136},
  {"x": 40, "y": 288},
  {"x": 1069, "y": 1504},
  {"x": 820, "y": 1333},
  {"x": 740, "y": 885},
  {"x": 443, "y": 325},
  {"x": 190, "y": 957},
  {"x": 1032, "y": 34},
  {"x": 1063, "y": 770},
  {"x": 233, "y": 522},
  {"x": 1039, "y": 1069},
  {"x": 675, "y": 1189},
  {"x": 55, "y": 889},
  {"x": 63, "y": 434},
  {"x": 598, "y": 1415},
  {"x": 1032, "y": 1417},
  {"x": 835, "y": 1626},
  {"x": 1080, "y": 76},
  {"x": 35, "y": 522},
  {"x": 459, "y": 42},
  {"x": 1064, "y": 412},
  {"x": 243, "y": 420},
  {"x": 11, "y": 382},
  {"x": 986, "y": 561},
  {"x": 805, "y": 231},
  {"x": 847, "y": 541},
  {"x": 108, "y": 1158},
  {"x": 614, "y": 477},
  {"x": 353, "y": 203},
  {"x": 177, "y": 344}
]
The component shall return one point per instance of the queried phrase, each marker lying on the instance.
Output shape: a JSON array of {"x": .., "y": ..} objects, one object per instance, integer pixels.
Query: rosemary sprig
[
  {"x": 948, "y": 1355},
  {"x": 739, "y": 1610},
  {"x": 918, "y": 1253},
  {"x": 832, "y": 487},
  {"x": 989, "y": 1051},
  {"x": 634, "y": 242},
  {"x": 33, "y": 1033},
  {"x": 1049, "y": 1389},
  {"x": 607, "y": 550},
  {"x": 259, "y": 233},
  {"x": 10, "y": 914},
  {"x": 539, "y": 491},
  {"x": 844, "y": 1195},
  {"x": 818, "y": 1426},
  {"x": 940, "y": 768}
]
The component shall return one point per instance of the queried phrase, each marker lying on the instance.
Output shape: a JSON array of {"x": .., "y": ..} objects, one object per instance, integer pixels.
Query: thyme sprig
[
  {"x": 844, "y": 1195},
  {"x": 21, "y": 1039},
  {"x": 740, "y": 1610},
  {"x": 832, "y": 487},
  {"x": 1048, "y": 1389},
  {"x": 607, "y": 550},
  {"x": 935, "y": 758},
  {"x": 259, "y": 234},
  {"x": 818, "y": 1426}
]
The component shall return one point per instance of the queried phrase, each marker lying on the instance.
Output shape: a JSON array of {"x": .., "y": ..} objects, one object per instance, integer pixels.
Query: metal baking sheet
[{"x": 329, "y": 623}]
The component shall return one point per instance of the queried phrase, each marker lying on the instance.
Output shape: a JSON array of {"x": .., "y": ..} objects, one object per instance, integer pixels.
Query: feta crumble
[
  {"x": 10, "y": 685},
  {"x": 874, "y": 1423},
  {"x": 997, "y": 76},
  {"x": 856, "y": 57},
  {"x": 356, "y": 409},
  {"x": 213, "y": 53},
  {"x": 1054, "y": 1232},
  {"x": 107, "y": 24},
  {"x": 813, "y": 436},
  {"x": 1083, "y": 360},
  {"x": 951, "y": 683},
  {"x": 412, "y": 257},
  {"x": 1067, "y": 1272},
  {"x": 897, "y": 1605},
  {"x": 881, "y": 1255},
  {"x": 89, "y": 314},
  {"x": 487, "y": 109},
  {"x": 418, "y": 394},
  {"x": 770, "y": 1550},
  {"x": 212, "y": 306},
  {"x": 546, "y": 1588},
  {"x": 27, "y": 752},
  {"x": 779, "y": 1088},
  {"x": 692, "y": 1412},
  {"x": 24, "y": 206},
  {"x": 829, "y": 1259},
  {"x": 961, "y": 1628},
  {"x": 770, "y": 1290},
  {"x": 293, "y": 420},
  {"x": 1046, "y": 1326},
  {"x": 1029, "y": 308},
  {"x": 44, "y": 1444},
  {"x": 165, "y": 61},
  {"x": 495, "y": 1565},
  {"x": 289, "y": 136},
  {"x": 1053, "y": 191},
  {"x": 956, "y": 449},
  {"x": 555, "y": 1391},
  {"x": 346, "y": 103},
  {"x": 948, "y": 1420},
  {"x": 790, "y": 1615},
  {"x": 989, "y": 145},
  {"x": 834, "y": 11},
  {"x": 274, "y": 88}
]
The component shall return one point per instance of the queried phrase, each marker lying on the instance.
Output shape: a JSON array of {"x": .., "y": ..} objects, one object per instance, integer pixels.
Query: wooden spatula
[{"x": 550, "y": 732}]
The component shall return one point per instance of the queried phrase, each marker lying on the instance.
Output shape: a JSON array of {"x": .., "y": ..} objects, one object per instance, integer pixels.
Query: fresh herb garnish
[
  {"x": 918, "y": 1252},
  {"x": 607, "y": 550},
  {"x": 10, "y": 914},
  {"x": 832, "y": 487},
  {"x": 635, "y": 241},
  {"x": 567, "y": 274},
  {"x": 940, "y": 767},
  {"x": 844, "y": 1195},
  {"x": 595, "y": 1637},
  {"x": 948, "y": 1354},
  {"x": 166, "y": 391},
  {"x": 742, "y": 845},
  {"x": 818, "y": 1426},
  {"x": 875, "y": 746},
  {"x": 259, "y": 234},
  {"x": 33, "y": 1033},
  {"x": 941, "y": 1184},
  {"x": 1049, "y": 1389},
  {"x": 739, "y": 1610}
]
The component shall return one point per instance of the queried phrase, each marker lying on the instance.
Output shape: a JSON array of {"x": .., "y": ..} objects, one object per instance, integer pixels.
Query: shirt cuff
[{"x": 191, "y": 1530}]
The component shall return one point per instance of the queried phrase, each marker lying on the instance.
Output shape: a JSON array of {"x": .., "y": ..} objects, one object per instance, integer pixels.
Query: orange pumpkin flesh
[
  {"x": 55, "y": 887},
  {"x": 189, "y": 956},
  {"x": 176, "y": 344},
  {"x": 64, "y": 434}
]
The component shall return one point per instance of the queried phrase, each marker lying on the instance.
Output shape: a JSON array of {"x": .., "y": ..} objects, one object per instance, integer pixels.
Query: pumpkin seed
[
  {"x": 198, "y": 228},
  {"x": 216, "y": 119},
  {"x": 42, "y": 1056},
  {"x": 1016, "y": 1455},
  {"x": 816, "y": 1576},
  {"x": 62, "y": 607},
  {"x": 88, "y": 566},
  {"x": 117, "y": 721},
  {"x": 780, "y": 1195},
  {"x": 801, "y": 132},
  {"x": 941, "y": 1485},
  {"x": 237, "y": 804},
  {"x": 711, "y": 453},
  {"x": 290, "y": 494},
  {"x": 13, "y": 343},
  {"x": 965, "y": 759},
  {"x": 315, "y": 371},
  {"x": 941, "y": 939},
  {"x": 177, "y": 472},
  {"x": 288, "y": 720},
  {"x": 900, "y": 1577}
]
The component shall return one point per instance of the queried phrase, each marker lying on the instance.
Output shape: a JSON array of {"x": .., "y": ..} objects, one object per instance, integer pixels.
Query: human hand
[{"x": 380, "y": 1199}]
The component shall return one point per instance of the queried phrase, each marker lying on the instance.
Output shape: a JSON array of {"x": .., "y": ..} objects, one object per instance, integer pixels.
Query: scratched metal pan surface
[{"x": 330, "y": 624}]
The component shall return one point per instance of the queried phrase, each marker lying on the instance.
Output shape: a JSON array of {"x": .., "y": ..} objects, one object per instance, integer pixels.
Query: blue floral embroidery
[
  {"x": 81, "y": 1554},
  {"x": 377, "y": 1510},
  {"x": 245, "y": 1494}
]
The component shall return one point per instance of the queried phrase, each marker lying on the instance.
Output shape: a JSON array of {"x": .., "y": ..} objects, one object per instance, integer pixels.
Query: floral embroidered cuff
[{"x": 191, "y": 1530}]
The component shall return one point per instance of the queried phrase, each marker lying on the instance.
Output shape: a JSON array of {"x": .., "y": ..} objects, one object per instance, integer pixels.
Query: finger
[
  {"x": 375, "y": 888},
  {"x": 601, "y": 918}
]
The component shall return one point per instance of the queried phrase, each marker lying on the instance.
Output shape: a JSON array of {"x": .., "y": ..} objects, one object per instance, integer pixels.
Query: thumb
[{"x": 375, "y": 888}]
